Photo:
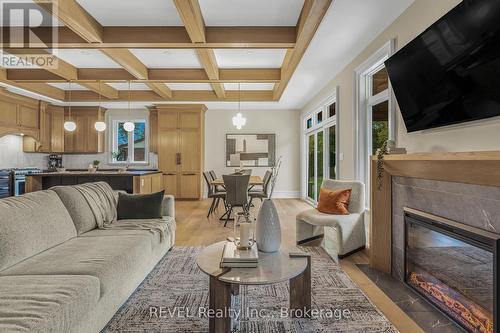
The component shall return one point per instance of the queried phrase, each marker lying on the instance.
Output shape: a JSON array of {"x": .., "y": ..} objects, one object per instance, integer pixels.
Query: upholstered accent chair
[{"x": 342, "y": 234}]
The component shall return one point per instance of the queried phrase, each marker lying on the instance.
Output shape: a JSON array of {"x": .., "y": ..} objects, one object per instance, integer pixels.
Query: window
[
  {"x": 309, "y": 123},
  {"x": 321, "y": 144},
  {"x": 374, "y": 111},
  {"x": 319, "y": 118},
  {"x": 130, "y": 147},
  {"x": 332, "y": 110}
]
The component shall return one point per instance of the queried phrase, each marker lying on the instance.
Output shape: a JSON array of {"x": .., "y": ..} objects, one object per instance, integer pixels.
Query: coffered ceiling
[
  {"x": 172, "y": 50},
  {"x": 196, "y": 50}
]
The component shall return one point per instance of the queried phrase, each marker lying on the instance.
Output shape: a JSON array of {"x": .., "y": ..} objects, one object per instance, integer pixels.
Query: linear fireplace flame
[{"x": 453, "y": 266}]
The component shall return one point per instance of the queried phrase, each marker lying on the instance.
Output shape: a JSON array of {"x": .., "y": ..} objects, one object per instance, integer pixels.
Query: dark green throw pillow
[{"x": 139, "y": 206}]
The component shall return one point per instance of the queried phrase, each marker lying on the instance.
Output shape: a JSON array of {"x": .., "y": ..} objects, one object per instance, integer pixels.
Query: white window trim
[
  {"x": 361, "y": 87},
  {"x": 112, "y": 123},
  {"x": 326, "y": 123}
]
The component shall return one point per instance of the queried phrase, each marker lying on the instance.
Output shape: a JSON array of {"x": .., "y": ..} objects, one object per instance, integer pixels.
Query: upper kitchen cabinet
[
  {"x": 85, "y": 139},
  {"x": 51, "y": 131},
  {"x": 19, "y": 115}
]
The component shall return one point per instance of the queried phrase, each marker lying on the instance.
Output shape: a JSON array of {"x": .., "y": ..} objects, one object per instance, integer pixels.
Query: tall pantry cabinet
[{"x": 181, "y": 148}]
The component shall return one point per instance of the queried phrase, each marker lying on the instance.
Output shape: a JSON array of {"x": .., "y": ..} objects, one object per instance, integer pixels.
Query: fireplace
[{"x": 453, "y": 266}]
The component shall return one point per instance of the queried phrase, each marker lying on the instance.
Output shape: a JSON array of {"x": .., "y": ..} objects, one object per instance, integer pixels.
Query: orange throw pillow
[{"x": 334, "y": 202}]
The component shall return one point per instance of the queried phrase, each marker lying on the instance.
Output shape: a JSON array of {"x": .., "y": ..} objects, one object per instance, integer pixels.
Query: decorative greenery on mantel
[{"x": 380, "y": 164}]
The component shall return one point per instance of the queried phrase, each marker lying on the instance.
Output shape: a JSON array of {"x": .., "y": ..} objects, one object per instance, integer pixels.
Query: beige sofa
[{"x": 59, "y": 273}]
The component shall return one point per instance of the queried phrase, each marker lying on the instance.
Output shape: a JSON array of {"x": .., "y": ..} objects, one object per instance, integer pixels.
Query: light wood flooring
[{"x": 195, "y": 229}]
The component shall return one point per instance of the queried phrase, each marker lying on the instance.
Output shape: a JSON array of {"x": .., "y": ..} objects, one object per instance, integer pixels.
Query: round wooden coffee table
[{"x": 272, "y": 268}]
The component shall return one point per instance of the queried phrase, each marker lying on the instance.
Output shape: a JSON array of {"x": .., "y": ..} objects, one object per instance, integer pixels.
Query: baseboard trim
[
  {"x": 286, "y": 194},
  {"x": 342, "y": 256}
]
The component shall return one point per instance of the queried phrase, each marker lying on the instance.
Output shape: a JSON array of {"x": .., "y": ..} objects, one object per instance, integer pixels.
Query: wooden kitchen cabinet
[
  {"x": 19, "y": 115},
  {"x": 150, "y": 183},
  {"x": 85, "y": 139},
  {"x": 51, "y": 131},
  {"x": 153, "y": 130},
  {"x": 181, "y": 146}
]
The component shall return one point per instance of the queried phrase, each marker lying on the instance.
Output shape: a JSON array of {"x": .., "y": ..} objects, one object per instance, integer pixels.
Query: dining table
[{"x": 254, "y": 181}]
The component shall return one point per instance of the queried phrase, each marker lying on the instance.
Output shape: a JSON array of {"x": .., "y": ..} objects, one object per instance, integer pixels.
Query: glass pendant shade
[
  {"x": 239, "y": 121},
  {"x": 100, "y": 126},
  {"x": 129, "y": 126},
  {"x": 70, "y": 126}
]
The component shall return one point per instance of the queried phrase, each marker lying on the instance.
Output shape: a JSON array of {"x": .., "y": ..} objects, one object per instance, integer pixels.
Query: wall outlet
[{"x": 341, "y": 156}]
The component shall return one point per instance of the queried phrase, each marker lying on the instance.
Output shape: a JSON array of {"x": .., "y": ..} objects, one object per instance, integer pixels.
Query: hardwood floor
[{"x": 195, "y": 229}]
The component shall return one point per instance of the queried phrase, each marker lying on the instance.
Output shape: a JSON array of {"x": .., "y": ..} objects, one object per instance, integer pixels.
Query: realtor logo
[{"x": 27, "y": 33}]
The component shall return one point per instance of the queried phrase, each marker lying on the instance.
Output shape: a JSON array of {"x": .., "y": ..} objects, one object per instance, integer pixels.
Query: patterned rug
[{"x": 174, "y": 298}]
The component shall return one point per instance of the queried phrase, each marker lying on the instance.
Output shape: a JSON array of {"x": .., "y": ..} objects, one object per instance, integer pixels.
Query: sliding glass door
[
  {"x": 311, "y": 167},
  {"x": 321, "y": 154}
]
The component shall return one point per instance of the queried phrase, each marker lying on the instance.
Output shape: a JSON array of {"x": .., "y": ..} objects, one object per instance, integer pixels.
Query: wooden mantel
[{"x": 481, "y": 168}]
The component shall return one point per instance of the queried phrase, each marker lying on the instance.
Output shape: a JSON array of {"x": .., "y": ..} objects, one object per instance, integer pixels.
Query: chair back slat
[
  {"x": 236, "y": 189},
  {"x": 208, "y": 180}
]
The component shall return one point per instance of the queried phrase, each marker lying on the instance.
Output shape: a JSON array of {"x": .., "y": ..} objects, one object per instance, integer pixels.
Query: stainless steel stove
[{"x": 12, "y": 181}]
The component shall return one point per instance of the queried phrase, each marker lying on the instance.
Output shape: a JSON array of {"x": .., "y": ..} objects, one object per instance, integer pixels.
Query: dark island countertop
[
  {"x": 100, "y": 173},
  {"x": 132, "y": 181}
]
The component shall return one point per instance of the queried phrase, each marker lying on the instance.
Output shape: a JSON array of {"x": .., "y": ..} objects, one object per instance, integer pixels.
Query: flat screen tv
[{"x": 450, "y": 73}]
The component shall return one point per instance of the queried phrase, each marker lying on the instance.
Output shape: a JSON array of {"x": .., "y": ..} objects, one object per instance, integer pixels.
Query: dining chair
[
  {"x": 212, "y": 193},
  {"x": 236, "y": 194},
  {"x": 264, "y": 192},
  {"x": 214, "y": 177}
]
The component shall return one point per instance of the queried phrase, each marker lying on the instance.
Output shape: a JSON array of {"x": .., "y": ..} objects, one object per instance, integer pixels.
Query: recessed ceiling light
[
  {"x": 166, "y": 53},
  {"x": 249, "y": 52},
  {"x": 85, "y": 52}
]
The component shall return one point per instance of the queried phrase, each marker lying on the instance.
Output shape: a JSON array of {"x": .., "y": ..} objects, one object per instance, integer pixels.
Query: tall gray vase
[{"x": 268, "y": 229}]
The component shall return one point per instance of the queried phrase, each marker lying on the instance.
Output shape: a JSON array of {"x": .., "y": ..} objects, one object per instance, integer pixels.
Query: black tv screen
[{"x": 450, "y": 73}]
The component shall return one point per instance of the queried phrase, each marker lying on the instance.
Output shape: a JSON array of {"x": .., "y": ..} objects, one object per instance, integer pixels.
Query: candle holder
[{"x": 244, "y": 237}]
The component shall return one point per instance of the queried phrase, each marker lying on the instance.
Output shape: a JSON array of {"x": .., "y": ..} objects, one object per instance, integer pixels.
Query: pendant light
[
  {"x": 100, "y": 126},
  {"x": 129, "y": 126},
  {"x": 239, "y": 121},
  {"x": 69, "y": 125}
]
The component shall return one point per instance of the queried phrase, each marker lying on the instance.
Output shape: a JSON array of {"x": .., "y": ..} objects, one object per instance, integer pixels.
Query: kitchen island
[{"x": 137, "y": 181}]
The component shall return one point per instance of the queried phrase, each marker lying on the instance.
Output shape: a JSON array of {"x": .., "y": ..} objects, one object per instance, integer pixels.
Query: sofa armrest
[{"x": 168, "y": 206}]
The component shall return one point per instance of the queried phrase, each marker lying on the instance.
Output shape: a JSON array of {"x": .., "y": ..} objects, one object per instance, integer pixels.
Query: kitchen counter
[
  {"x": 71, "y": 173},
  {"x": 134, "y": 181}
]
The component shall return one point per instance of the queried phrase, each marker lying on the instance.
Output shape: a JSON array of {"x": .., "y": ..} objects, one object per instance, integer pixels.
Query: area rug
[{"x": 173, "y": 298}]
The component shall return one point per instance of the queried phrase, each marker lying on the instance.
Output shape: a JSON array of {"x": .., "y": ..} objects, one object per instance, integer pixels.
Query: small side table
[{"x": 273, "y": 268}]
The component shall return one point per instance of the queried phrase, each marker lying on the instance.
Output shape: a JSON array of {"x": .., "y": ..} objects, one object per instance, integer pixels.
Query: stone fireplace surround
[{"x": 473, "y": 205}]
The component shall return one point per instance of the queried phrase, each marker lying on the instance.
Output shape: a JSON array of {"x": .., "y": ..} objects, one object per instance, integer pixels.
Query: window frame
[
  {"x": 113, "y": 143},
  {"x": 323, "y": 126},
  {"x": 364, "y": 101}
]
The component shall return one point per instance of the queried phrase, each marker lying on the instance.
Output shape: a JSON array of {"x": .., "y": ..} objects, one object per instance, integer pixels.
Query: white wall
[
  {"x": 474, "y": 136},
  {"x": 12, "y": 155},
  {"x": 285, "y": 124}
]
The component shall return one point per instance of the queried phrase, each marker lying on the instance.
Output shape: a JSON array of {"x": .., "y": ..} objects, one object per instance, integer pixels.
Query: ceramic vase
[{"x": 268, "y": 229}]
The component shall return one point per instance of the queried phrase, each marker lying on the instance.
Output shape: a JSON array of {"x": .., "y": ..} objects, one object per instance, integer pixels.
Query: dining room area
[{"x": 237, "y": 192}]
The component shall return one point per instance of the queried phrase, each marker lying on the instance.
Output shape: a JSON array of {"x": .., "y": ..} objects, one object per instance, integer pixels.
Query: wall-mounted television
[{"x": 450, "y": 73}]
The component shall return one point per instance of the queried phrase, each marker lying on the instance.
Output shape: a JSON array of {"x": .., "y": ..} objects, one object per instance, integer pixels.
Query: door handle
[
  {"x": 189, "y": 174},
  {"x": 169, "y": 174},
  {"x": 178, "y": 158}
]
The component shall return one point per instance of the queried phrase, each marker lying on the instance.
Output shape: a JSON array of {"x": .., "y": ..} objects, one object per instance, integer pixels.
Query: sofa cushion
[
  {"x": 45, "y": 303},
  {"x": 126, "y": 227},
  {"x": 30, "y": 224},
  {"x": 140, "y": 206},
  {"x": 109, "y": 259},
  {"x": 78, "y": 208}
]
